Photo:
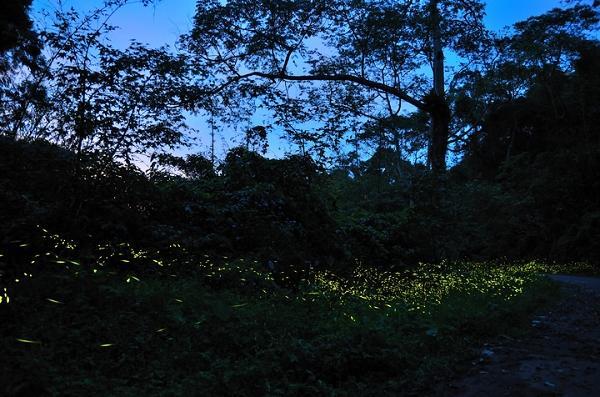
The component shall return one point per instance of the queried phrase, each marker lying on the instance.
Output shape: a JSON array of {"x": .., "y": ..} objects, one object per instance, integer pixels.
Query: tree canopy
[
  {"x": 368, "y": 58},
  {"x": 18, "y": 41}
]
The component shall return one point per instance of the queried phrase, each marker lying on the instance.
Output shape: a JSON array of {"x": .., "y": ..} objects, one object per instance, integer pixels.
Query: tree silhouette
[{"x": 366, "y": 56}]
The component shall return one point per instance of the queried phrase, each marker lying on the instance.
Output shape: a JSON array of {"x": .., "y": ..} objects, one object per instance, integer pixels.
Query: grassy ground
[{"x": 87, "y": 327}]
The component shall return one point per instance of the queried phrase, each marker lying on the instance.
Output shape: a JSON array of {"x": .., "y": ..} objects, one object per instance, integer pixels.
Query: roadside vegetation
[{"x": 125, "y": 322}]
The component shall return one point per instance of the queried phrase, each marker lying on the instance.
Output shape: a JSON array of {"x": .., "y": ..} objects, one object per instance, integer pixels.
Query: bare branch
[{"x": 323, "y": 77}]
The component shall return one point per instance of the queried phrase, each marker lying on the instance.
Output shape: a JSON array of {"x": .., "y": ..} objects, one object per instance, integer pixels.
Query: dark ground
[{"x": 559, "y": 357}]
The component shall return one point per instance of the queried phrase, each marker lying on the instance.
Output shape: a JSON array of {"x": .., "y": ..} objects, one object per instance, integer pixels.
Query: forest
[{"x": 434, "y": 172}]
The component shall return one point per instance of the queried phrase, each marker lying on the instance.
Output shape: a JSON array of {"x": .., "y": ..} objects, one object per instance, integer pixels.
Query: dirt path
[
  {"x": 560, "y": 357},
  {"x": 589, "y": 283}
]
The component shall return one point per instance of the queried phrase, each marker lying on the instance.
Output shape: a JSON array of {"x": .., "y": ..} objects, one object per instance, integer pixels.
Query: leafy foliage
[
  {"x": 191, "y": 325},
  {"x": 91, "y": 97},
  {"x": 18, "y": 41},
  {"x": 332, "y": 63}
]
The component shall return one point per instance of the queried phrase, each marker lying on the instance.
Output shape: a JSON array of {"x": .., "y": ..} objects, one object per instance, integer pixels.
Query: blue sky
[{"x": 162, "y": 23}]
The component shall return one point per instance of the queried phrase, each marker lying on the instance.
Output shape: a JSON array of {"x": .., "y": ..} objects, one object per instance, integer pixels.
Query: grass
[{"x": 210, "y": 328}]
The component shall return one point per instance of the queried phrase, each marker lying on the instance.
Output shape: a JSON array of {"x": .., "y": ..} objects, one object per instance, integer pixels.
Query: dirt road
[
  {"x": 589, "y": 283},
  {"x": 560, "y": 357}
]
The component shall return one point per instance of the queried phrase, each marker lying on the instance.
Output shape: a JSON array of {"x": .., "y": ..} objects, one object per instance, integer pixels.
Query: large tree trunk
[
  {"x": 436, "y": 102},
  {"x": 438, "y": 145}
]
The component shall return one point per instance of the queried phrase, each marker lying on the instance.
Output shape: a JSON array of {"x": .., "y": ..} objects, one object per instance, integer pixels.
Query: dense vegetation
[
  {"x": 124, "y": 321},
  {"x": 302, "y": 274}
]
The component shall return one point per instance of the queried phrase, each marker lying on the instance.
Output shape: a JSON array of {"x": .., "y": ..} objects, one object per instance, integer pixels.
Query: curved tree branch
[{"x": 324, "y": 77}]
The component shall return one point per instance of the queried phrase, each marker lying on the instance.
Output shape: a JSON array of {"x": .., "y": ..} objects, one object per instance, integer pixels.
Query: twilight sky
[{"x": 163, "y": 23}]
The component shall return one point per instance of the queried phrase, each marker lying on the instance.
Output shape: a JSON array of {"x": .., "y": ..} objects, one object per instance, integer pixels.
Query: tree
[
  {"x": 18, "y": 41},
  {"x": 19, "y": 46},
  {"x": 522, "y": 100},
  {"x": 98, "y": 99},
  {"x": 537, "y": 110},
  {"x": 334, "y": 62},
  {"x": 403, "y": 134}
]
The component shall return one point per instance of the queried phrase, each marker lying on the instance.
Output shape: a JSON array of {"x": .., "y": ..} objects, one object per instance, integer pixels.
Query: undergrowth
[{"x": 123, "y": 322}]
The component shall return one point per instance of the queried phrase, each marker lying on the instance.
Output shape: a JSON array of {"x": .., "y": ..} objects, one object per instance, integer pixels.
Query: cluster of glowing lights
[
  {"x": 4, "y": 298},
  {"x": 420, "y": 290},
  {"x": 428, "y": 286}
]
